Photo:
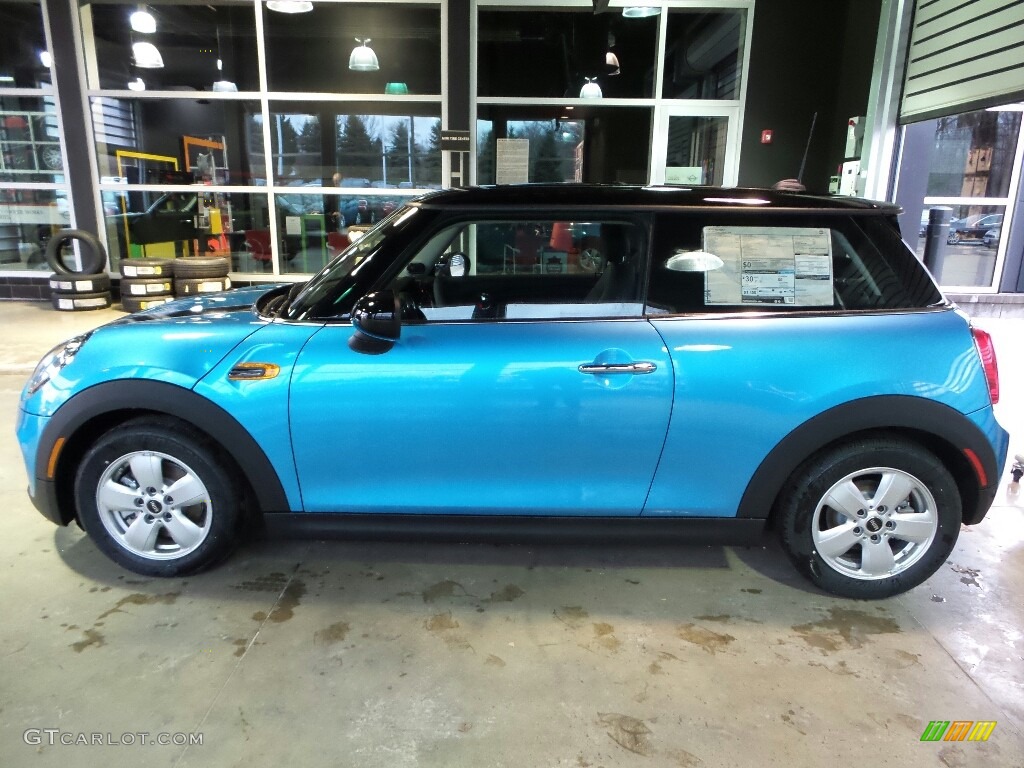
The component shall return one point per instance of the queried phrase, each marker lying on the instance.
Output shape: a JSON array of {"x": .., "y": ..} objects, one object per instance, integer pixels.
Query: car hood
[{"x": 176, "y": 343}]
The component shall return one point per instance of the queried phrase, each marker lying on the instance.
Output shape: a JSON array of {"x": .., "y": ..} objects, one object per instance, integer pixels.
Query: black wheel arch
[
  {"x": 98, "y": 409},
  {"x": 939, "y": 428}
]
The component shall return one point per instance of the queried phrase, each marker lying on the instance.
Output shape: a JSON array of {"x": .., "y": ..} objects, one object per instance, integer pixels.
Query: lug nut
[
  {"x": 148, "y": 518},
  {"x": 167, "y": 517},
  {"x": 875, "y": 538},
  {"x": 881, "y": 509},
  {"x": 858, "y": 531},
  {"x": 138, "y": 502},
  {"x": 890, "y": 524},
  {"x": 151, "y": 491},
  {"x": 168, "y": 500},
  {"x": 861, "y": 513}
]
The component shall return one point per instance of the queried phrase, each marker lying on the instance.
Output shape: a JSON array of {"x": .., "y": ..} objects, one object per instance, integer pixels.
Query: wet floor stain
[
  {"x": 138, "y": 598},
  {"x": 506, "y": 594},
  {"x": 241, "y": 645},
  {"x": 494, "y": 661},
  {"x": 840, "y": 669},
  {"x": 752, "y": 591},
  {"x": 969, "y": 577},
  {"x": 271, "y": 582},
  {"x": 937, "y": 599},
  {"x": 335, "y": 633},
  {"x": 788, "y": 719},
  {"x": 260, "y": 616},
  {"x": 440, "y": 622},
  {"x": 288, "y": 602},
  {"x": 628, "y": 732},
  {"x": 603, "y": 636},
  {"x": 722, "y": 618},
  {"x": 846, "y": 628},
  {"x": 571, "y": 615},
  {"x": 685, "y": 759},
  {"x": 710, "y": 641},
  {"x": 444, "y": 589},
  {"x": 91, "y": 638}
]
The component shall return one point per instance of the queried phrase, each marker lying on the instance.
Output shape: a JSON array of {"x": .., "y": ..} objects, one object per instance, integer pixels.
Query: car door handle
[{"x": 606, "y": 368}]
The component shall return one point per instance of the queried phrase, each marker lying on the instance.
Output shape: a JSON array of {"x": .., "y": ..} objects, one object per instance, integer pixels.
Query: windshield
[{"x": 331, "y": 292}]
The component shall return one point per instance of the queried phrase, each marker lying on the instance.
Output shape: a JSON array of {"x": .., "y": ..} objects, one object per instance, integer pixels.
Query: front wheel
[
  {"x": 156, "y": 499},
  {"x": 870, "y": 519}
]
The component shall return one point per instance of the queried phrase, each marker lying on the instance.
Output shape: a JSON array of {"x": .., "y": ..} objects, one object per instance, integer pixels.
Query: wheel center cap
[
  {"x": 874, "y": 525},
  {"x": 154, "y": 506}
]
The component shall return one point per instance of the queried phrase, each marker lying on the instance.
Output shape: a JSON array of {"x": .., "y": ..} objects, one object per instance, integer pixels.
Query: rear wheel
[
  {"x": 870, "y": 519},
  {"x": 156, "y": 498}
]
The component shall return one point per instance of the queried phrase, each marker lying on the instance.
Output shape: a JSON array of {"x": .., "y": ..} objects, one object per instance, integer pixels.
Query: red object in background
[{"x": 766, "y": 137}]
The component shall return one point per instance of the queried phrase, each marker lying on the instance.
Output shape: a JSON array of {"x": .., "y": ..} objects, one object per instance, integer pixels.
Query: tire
[
  {"x": 50, "y": 158},
  {"x": 202, "y": 266},
  {"x": 147, "y": 267},
  {"x": 147, "y": 286},
  {"x": 953, "y": 239},
  {"x": 838, "y": 538},
  {"x": 94, "y": 258},
  {"x": 79, "y": 302},
  {"x": 189, "y": 287},
  {"x": 129, "y": 304},
  {"x": 121, "y": 494},
  {"x": 80, "y": 283}
]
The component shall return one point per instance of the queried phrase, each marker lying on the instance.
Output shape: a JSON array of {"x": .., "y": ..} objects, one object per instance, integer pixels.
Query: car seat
[{"x": 618, "y": 279}]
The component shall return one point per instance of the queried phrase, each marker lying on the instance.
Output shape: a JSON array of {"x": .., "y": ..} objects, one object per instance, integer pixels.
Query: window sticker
[{"x": 769, "y": 265}]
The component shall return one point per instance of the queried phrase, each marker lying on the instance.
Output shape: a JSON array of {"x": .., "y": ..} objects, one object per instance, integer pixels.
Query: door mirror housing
[{"x": 377, "y": 320}]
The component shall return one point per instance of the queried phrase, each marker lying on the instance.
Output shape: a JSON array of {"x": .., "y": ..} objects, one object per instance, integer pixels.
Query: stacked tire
[
  {"x": 146, "y": 282},
  {"x": 201, "y": 274},
  {"x": 74, "y": 290}
]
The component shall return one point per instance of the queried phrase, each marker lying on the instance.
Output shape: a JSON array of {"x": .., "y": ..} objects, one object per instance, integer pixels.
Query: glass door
[{"x": 696, "y": 145}]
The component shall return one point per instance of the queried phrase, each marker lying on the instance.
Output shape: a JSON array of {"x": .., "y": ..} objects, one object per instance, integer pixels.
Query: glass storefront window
[
  {"x": 523, "y": 53},
  {"x": 176, "y": 141},
  {"x": 332, "y": 149},
  {"x": 29, "y": 140},
  {"x": 971, "y": 247},
  {"x": 703, "y": 55},
  {"x": 314, "y": 227},
  {"x": 28, "y": 219},
  {"x": 24, "y": 60},
  {"x": 188, "y": 222},
  {"x": 591, "y": 144},
  {"x": 973, "y": 154},
  {"x": 207, "y": 47},
  {"x": 311, "y": 52}
]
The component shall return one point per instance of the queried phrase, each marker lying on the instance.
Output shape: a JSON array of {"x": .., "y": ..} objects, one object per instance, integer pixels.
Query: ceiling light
[
  {"x": 612, "y": 62},
  {"x": 590, "y": 89},
  {"x": 6, "y": 78},
  {"x": 45, "y": 59},
  {"x": 363, "y": 59},
  {"x": 640, "y": 11},
  {"x": 290, "y": 6},
  {"x": 143, "y": 21},
  {"x": 136, "y": 84},
  {"x": 396, "y": 89},
  {"x": 147, "y": 56},
  {"x": 225, "y": 86}
]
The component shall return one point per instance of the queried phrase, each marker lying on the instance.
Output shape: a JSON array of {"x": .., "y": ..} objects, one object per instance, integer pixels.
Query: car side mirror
[{"x": 377, "y": 320}]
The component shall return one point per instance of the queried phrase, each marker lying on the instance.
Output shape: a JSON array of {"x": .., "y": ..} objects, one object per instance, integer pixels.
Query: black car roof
[{"x": 599, "y": 195}]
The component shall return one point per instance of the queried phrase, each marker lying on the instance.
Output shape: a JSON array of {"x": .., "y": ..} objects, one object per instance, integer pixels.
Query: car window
[
  {"x": 525, "y": 269},
  {"x": 728, "y": 263}
]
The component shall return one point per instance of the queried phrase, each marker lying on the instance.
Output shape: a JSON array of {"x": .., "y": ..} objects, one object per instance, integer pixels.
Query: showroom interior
[
  {"x": 269, "y": 131},
  {"x": 297, "y": 125}
]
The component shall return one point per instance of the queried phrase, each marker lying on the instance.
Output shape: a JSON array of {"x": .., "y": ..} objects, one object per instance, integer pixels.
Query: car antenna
[{"x": 803, "y": 162}]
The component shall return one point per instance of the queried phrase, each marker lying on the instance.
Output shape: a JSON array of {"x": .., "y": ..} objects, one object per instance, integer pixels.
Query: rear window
[{"x": 726, "y": 263}]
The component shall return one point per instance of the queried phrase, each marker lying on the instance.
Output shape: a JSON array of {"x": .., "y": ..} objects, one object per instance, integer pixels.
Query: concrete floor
[{"x": 354, "y": 654}]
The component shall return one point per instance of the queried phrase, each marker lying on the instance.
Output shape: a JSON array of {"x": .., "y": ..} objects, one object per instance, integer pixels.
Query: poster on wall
[{"x": 513, "y": 161}]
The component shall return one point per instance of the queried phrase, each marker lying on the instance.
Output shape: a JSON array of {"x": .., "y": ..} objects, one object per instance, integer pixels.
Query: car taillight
[{"x": 987, "y": 351}]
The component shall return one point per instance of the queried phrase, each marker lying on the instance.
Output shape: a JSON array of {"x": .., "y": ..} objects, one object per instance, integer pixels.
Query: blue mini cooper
[{"x": 537, "y": 360}]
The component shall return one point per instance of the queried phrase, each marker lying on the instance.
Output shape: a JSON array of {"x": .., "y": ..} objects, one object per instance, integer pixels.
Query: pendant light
[
  {"x": 142, "y": 21},
  {"x": 147, "y": 56},
  {"x": 640, "y": 11},
  {"x": 590, "y": 89},
  {"x": 363, "y": 59},
  {"x": 136, "y": 85},
  {"x": 222, "y": 85},
  {"x": 396, "y": 89},
  {"x": 289, "y": 6}
]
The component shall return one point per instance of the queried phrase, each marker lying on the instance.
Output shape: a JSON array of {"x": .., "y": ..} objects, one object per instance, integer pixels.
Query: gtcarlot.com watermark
[{"x": 54, "y": 737}]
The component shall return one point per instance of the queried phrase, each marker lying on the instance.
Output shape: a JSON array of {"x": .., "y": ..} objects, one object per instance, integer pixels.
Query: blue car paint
[
  {"x": 481, "y": 418},
  {"x": 261, "y": 406},
  {"x": 743, "y": 384}
]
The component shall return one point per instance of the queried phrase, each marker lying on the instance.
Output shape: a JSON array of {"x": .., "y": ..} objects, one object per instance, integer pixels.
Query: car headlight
[{"x": 53, "y": 362}]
